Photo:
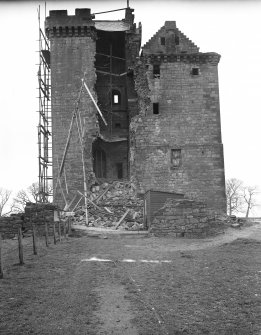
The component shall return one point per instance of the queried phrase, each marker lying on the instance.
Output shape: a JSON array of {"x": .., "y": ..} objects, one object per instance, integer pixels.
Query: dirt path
[
  {"x": 135, "y": 285},
  {"x": 115, "y": 311}
]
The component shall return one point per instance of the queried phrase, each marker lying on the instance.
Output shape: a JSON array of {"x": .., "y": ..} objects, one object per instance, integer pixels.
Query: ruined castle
[{"x": 160, "y": 104}]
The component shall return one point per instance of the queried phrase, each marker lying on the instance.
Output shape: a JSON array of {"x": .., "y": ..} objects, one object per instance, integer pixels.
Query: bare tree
[
  {"x": 234, "y": 193},
  {"x": 4, "y": 197},
  {"x": 249, "y": 198},
  {"x": 24, "y": 196},
  {"x": 31, "y": 194}
]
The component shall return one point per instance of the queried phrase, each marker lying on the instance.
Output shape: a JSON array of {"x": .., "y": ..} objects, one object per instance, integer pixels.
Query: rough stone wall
[
  {"x": 71, "y": 57},
  {"x": 187, "y": 218},
  {"x": 189, "y": 120}
]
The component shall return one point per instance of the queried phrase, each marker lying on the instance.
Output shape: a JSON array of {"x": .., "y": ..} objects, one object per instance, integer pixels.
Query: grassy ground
[{"x": 205, "y": 288}]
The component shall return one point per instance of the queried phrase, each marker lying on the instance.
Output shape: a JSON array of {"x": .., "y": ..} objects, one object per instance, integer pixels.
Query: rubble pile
[{"x": 112, "y": 205}]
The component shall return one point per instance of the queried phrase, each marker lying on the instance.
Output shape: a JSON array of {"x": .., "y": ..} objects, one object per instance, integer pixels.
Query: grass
[{"x": 215, "y": 290}]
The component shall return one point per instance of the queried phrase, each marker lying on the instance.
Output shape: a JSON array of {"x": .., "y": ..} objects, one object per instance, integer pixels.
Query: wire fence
[{"x": 33, "y": 233}]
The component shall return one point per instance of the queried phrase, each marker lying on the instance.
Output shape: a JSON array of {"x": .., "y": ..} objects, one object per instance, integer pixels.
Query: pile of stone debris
[{"x": 112, "y": 205}]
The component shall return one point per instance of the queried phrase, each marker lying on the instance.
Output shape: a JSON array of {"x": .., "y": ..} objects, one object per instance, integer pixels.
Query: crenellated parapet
[{"x": 60, "y": 24}]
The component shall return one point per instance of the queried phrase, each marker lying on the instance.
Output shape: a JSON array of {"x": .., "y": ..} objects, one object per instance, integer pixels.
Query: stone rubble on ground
[{"x": 111, "y": 202}]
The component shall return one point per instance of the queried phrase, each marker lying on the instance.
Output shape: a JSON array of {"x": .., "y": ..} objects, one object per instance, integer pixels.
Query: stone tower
[
  {"x": 105, "y": 51},
  {"x": 161, "y": 107},
  {"x": 176, "y": 138}
]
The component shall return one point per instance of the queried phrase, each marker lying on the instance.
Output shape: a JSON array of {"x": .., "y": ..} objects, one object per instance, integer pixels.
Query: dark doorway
[
  {"x": 99, "y": 163},
  {"x": 119, "y": 167}
]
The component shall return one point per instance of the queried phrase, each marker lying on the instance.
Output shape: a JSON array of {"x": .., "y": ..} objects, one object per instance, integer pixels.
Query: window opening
[
  {"x": 195, "y": 71},
  {"x": 156, "y": 108},
  {"x": 119, "y": 167},
  {"x": 177, "y": 40},
  {"x": 175, "y": 159},
  {"x": 162, "y": 41},
  {"x": 156, "y": 71},
  {"x": 117, "y": 125},
  {"x": 116, "y": 97}
]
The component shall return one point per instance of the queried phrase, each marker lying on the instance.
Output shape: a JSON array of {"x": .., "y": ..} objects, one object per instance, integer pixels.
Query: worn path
[{"x": 108, "y": 284}]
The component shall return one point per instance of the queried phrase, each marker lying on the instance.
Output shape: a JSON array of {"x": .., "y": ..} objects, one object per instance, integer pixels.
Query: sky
[{"x": 230, "y": 28}]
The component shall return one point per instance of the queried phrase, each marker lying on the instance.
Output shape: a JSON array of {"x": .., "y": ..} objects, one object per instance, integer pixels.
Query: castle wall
[
  {"x": 188, "y": 126},
  {"x": 166, "y": 132},
  {"x": 70, "y": 58}
]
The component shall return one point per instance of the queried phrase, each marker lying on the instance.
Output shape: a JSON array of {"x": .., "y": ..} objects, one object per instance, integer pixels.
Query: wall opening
[
  {"x": 155, "y": 108},
  {"x": 110, "y": 159},
  {"x": 195, "y": 71},
  {"x": 156, "y": 71},
  {"x": 119, "y": 167},
  {"x": 116, "y": 97},
  {"x": 99, "y": 163},
  {"x": 175, "y": 158},
  {"x": 162, "y": 41}
]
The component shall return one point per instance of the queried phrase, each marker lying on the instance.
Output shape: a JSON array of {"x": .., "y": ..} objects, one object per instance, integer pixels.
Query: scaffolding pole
[{"x": 44, "y": 123}]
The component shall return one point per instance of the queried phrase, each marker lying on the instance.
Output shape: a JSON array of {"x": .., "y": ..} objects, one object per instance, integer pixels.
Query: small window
[
  {"x": 156, "y": 108},
  {"x": 195, "y": 71},
  {"x": 116, "y": 97},
  {"x": 119, "y": 167},
  {"x": 156, "y": 71},
  {"x": 117, "y": 125},
  {"x": 175, "y": 158},
  {"x": 176, "y": 40},
  {"x": 162, "y": 41}
]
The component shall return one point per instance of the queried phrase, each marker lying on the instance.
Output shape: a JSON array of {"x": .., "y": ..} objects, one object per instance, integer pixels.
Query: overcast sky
[{"x": 230, "y": 28}]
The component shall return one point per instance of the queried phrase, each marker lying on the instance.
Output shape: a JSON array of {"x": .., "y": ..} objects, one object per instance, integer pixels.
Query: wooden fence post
[
  {"x": 54, "y": 236},
  {"x": 1, "y": 265},
  {"x": 46, "y": 234},
  {"x": 69, "y": 225},
  {"x": 20, "y": 246},
  {"x": 59, "y": 231},
  {"x": 34, "y": 239},
  {"x": 64, "y": 229}
]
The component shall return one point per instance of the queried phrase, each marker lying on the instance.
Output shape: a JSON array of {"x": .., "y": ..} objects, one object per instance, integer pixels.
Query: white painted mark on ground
[{"x": 95, "y": 259}]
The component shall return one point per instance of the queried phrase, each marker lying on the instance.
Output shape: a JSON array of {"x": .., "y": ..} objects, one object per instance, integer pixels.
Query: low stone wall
[
  {"x": 187, "y": 218},
  {"x": 9, "y": 225},
  {"x": 35, "y": 213}
]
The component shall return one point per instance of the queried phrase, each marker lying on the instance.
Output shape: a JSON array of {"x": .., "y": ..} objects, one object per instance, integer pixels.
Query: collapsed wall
[
  {"x": 105, "y": 52},
  {"x": 163, "y": 127}
]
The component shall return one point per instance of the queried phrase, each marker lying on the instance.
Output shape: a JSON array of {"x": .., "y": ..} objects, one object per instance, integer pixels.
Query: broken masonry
[{"x": 161, "y": 108}]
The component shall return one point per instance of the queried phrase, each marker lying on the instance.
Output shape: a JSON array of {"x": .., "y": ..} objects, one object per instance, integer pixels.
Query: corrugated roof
[{"x": 112, "y": 25}]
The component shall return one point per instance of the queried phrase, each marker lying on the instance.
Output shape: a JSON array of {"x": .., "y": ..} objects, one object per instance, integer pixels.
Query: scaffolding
[{"x": 45, "y": 121}]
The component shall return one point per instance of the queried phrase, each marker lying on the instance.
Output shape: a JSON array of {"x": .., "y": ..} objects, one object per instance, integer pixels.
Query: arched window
[{"x": 116, "y": 97}]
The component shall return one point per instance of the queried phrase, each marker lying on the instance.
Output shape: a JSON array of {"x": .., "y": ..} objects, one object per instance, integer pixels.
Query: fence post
[
  {"x": 59, "y": 230},
  {"x": 20, "y": 246},
  {"x": 64, "y": 228},
  {"x": 46, "y": 234},
  {"x": 1, "y": 265},
  {"x": 34, "y": 239},
  {"x": 54, "y": 236},
  {"x": 69, "y": 225}
]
